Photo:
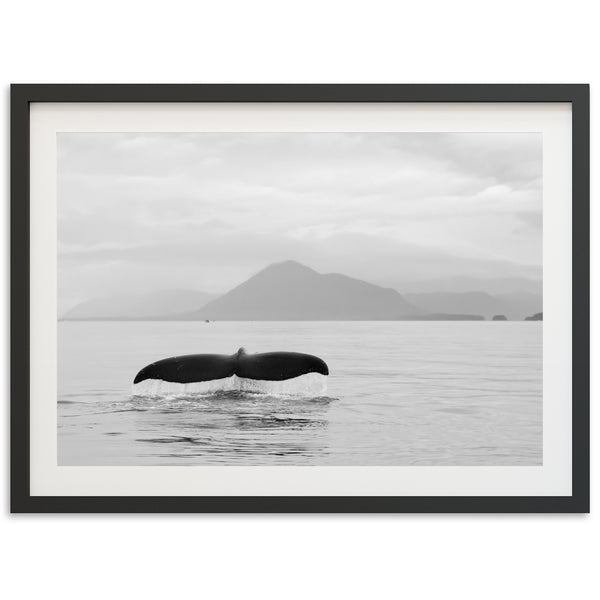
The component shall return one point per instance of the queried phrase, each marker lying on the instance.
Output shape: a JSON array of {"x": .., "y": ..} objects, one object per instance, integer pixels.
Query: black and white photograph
[{"x": 300, "y": 299}]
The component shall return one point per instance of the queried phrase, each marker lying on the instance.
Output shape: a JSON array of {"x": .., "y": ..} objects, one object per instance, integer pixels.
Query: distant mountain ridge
[
  {"x": 513, "y": 305},
  {"x": 495, "y": 286},
  {"x": 290, "y": 291}
]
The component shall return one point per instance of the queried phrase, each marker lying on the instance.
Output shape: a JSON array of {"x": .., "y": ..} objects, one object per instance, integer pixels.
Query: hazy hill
[
  {"x": 140, "y": 306},
  {"x": 496, "y": 286},
  {"x": 513, "y": 305},
  {"x": 521, "y": 303},
  {"x": 291, "y": 291}
]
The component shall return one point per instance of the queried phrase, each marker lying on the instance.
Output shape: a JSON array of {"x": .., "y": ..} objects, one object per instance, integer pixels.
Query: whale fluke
[{"x": 268, "y": 366}]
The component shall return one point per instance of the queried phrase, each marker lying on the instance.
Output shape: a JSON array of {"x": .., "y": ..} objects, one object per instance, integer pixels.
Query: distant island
[
  {"x": 514, "y": 305},
  {"x": 537, "y": 317},
  {"x": 290, "y": 291}
]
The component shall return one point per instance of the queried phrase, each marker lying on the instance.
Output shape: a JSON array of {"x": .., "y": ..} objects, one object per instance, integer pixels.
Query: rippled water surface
[{"x": 399, "y": 393}]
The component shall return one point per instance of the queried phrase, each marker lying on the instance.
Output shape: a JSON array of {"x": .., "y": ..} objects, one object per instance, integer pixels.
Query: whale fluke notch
[{"x": 267, "y": 366}]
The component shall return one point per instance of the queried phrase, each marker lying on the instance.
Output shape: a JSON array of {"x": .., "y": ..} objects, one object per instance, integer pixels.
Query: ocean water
[{"x": 399, "y": 393}]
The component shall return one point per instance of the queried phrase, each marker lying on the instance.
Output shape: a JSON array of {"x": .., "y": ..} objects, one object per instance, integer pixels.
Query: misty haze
[{"x": 411, "y": 263}]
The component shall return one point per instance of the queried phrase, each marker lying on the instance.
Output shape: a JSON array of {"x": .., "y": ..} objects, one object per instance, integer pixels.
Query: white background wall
[{"x": 524, "y": 556}]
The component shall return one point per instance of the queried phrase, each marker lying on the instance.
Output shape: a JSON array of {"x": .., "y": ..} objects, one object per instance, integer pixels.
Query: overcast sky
[{"x": 143, "y": 212}]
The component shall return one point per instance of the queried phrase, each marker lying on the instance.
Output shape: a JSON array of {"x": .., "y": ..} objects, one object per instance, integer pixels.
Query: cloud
[{"x": 205, "y": 210}]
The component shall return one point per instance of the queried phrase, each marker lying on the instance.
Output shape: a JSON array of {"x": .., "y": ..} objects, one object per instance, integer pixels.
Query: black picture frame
[{"x": 22, "y": 95}]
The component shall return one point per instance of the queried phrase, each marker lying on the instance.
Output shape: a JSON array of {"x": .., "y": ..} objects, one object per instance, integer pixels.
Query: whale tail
[{"x": 282, "y": 371}]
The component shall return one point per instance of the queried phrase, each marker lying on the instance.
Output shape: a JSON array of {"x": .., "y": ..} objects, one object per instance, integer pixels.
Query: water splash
[{"x": 308, "y": 385}]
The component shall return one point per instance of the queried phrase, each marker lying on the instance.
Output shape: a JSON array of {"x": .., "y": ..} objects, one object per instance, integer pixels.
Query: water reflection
[{"x": 231, "y": 426}]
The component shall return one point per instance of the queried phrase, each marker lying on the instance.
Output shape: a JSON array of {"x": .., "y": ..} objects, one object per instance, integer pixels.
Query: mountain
[
  {"x": 294, "y": 292},
  {"x": 458, "y": 302},
  {"x": 514, "y": 305},
  {"x": 289, "y": 291},
  {"x": 496, "y": 286},
  {"x": 142, "y": 306}
]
